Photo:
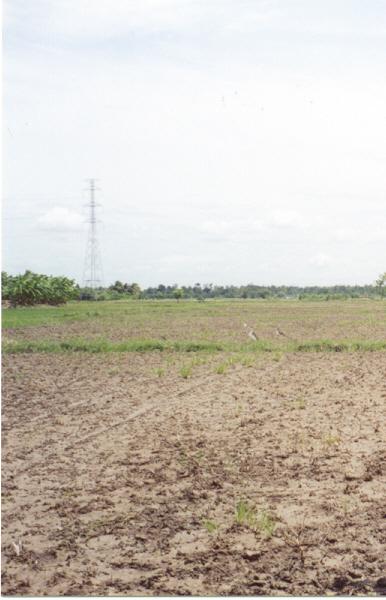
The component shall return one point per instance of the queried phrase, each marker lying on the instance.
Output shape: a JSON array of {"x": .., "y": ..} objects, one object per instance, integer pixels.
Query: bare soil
[{"x": 119, "y": 481}]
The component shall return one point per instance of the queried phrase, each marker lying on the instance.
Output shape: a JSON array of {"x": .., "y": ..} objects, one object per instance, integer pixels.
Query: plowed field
[{"x": 172, "y": 473}]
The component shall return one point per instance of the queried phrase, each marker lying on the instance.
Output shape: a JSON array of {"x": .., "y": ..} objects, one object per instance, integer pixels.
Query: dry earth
[{"x": 119, "y": 481}]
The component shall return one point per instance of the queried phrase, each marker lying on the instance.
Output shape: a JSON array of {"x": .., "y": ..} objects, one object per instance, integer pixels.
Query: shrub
[{"x": 33, "y": 288}]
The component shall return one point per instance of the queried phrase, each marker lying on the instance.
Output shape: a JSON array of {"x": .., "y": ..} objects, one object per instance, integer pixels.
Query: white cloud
[
  {"x": 367, "y": 233},
  {"x": 175, "y": 259},
  {"x": 236, "y": 230},
  {"x": 92, "y": 19},
  {"x": 242, "y": 229},
  {"x": 61, "y": 219},
  {"x": 320, "y": 260},
  {"x": 178, "y": 268},
  {"x": 345, "y": 234},
  {"x": 172, "y": 260},
  {"x": 288, "y": 219},
  {"x": 96, "y": 18},
  {"x": 89, "y": 19}
]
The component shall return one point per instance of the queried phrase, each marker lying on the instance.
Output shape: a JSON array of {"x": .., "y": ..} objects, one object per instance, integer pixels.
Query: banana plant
[{"x": 33, "y": 288}]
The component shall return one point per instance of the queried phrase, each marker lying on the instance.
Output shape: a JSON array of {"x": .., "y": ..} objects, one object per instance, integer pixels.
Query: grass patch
[
  {"x": 35, "y": 316},
  {"x": 101, "y": 345},
  {"x": 245, "y": 514},
  {"x": 344, "y": 346},
  {"x": 210, "y": 526},
  {"x": 262, "y": 521},
  {"x": 186, "y": 371},
  {"x": 106, "y": 346},
  {"x": 221, "y": 369},
  {"x": 248, "y": 361},
  {"x": 266, "y": 523}
]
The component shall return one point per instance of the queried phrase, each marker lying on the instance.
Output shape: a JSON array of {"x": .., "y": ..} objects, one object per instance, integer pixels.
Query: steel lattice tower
[{"x": 92, "y": 274}]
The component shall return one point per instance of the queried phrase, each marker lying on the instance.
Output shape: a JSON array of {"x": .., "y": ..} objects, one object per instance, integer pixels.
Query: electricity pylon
[{"x": 92, "y": 274}]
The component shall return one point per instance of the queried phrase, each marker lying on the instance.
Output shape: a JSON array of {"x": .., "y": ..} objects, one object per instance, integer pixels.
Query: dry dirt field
[{"x": 206, "y": 473}]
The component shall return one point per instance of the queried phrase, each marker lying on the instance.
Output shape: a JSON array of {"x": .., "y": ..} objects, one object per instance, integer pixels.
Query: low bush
[{"x": 32, "y": 288}]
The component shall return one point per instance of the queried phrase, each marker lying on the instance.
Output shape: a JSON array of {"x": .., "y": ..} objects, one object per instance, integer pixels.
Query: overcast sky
[{"x": 234, "y": 141}]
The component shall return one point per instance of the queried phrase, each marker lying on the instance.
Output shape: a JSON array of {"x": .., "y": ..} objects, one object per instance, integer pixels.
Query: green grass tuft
[
  {"x": 343, "y": 346},
  {"x": 245, "y": 514},
  {"x": 186, "y": 371},
  {"x": 103, "y": 345},
  {"x": 262, "y": 521},
  {"x": 210, "y": 526}
]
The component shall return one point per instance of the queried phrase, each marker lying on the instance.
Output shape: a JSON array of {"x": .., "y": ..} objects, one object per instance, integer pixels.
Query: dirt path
[{"x": 116, "y": 481}]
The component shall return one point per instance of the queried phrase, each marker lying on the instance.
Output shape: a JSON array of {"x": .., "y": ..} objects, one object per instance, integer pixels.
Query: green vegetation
[
  {"x": 381, "y": 284},
  {"x": 103, "y": 345},
  {"x": 221, "y": 369},
  {"x": 268, "y": 312},
  {"x": 39, "y": 315},
  {"x": 214, "y": 326},
  {"x": 210, "y": 526},
  {"x": 178, "y": 294},
  {"x": 266, "y": 523},
  {"x": 344, "y": 346},
  {"x": 245, "y": 514},
  {"x": 31, "y": 288},
  {"x": 117, "y": 291},
  {"x": 262, "y": 521},
  {"x": 203, "y": 292},
  {"x": 42, "y": 290},
  {"x": 186, "y": 371},
  {"x": 248, "y": 360}
]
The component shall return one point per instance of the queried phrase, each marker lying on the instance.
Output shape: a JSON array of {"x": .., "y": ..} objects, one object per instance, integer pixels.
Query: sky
[{"x": 233, "y": 141}]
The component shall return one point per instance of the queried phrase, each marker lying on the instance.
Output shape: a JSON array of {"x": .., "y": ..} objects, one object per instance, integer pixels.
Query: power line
[{"x": 92, "y": 273}]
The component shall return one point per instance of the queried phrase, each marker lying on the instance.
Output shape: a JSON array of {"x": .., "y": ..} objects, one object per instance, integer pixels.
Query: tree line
[
  {"x": 200, "y": 291},
  {"x": 33, "y": 288}
]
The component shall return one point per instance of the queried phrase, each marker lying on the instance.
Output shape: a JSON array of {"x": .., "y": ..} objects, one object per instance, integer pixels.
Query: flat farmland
[{"x": 153, "y": 448}]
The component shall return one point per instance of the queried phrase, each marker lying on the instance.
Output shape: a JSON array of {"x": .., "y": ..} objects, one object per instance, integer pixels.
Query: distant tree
[
  {"x": 118, "y": 287},
  {"x": 178, "y": 293},
  {"x": 6, "y": 281},
  {"x": 4, "y": 278},
  {"x": 133, "y": 289},
  {"x": 254, "y": 291},
  {"x": 381, "y": 283}
]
